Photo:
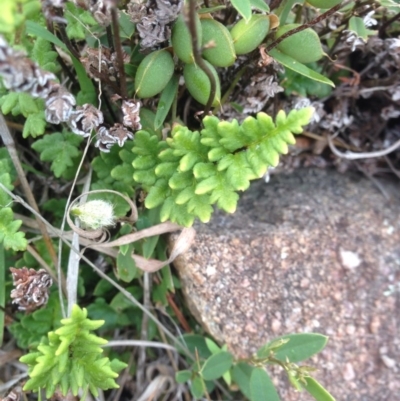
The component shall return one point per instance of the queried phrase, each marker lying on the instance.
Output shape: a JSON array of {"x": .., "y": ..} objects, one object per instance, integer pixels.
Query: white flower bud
[{"x": 95, "y": 214}]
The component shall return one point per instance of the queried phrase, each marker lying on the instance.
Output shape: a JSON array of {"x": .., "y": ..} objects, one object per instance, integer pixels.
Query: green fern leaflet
[{"x": 191, "y": 171}]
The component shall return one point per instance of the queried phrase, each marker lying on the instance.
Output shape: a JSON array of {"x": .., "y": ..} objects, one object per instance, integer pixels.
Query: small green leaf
[
  {"x": 241, "y": 374},
  {"x": 243, "y": 7},
  {"x": 35, "y": 125},
  {"x": 27, "y": 104},
  {"x": 357, "y": 25},
  {"x": 9, "y": 234},
  {"x": 78, "y": 19},
  {"x": 260, "y": 5},
  {"x": 216, "y": 365},
  {"x": 126, "y": 266},
  {"x": 261, "y": 386},
  {"x": 212, "y": 346},
  {"x": 60, "y": 149},
  {"x": 316, "y": 390},
  {"x": 197, "y": 387},
  {"x": 207, "y": 185},
  {"x": 299, "y": 347},
  {"x": 43, "y": 54},
  {"x": 157, "y": 194},
  {"x": 197, "y": 345},
  {"x": 154, "y": 73},
  {"x": 9, "y": 102},
  {"x": 166, "y": 99},
  {"x": 183, "y": 376},
  {"x": 126, "y": 26},
  {"x": 302, "y": 69}
]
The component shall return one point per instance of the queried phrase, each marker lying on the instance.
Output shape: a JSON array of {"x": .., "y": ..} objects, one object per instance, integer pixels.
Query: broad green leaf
[
  {"x": 260, "y": 5},
  {"x": 316, "y": 390},
  {"x": 243, "y": 7},
  {"x": 197, "y": 387},
  {"x": 166, "y": 99},
  {"x": 216, "y": 365},
  {"x": 183, "y": 376},
  {"x": 261, "y": 386},
  {"x": 299, "y": 347},
  {"x": 241, "y": 374},
  {"x": 302, "y": 69}
]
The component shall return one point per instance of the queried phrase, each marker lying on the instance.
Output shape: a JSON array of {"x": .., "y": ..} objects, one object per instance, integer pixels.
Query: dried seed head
[
  {"x": 104, "y": 139},
  {"x": 31, "y": 288},
  {"x": 167, "y": 11},
  {"x": 136, "y": 11},
  {"x": 153, "y": 20},
  {"x": 13, "y": 395},
  {"x": 120, "y": 134},
  {"x": 101, "y": 10},
  {"x": 23, "y": 75},
  {"x": 101, "y": 63},
  {"x": 59, "y": 105},
  {"x": 130, "y": 110},
  {"x": 152, "y": 32},
  {"x": 95, "y": 214},
  {"x": 84, "y": 119},
  {"x": 50, "y": 11}
]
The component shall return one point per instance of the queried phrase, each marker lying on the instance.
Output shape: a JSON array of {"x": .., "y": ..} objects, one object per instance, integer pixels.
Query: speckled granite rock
[{"x": 311, "y": 252}]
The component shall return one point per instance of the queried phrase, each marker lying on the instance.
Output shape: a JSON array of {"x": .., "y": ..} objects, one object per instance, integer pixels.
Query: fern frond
[{"x": 191, "y": 171}]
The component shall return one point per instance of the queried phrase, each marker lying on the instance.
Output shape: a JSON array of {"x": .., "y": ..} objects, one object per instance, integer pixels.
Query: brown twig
[
  {"x": 191, "y": 23},
  {"x": 305, "y": 26},
  {"x": 120, "y": 57}
]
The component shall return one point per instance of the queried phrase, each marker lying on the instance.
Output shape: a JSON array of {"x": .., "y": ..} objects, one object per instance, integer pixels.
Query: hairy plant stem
[
  {"x": 306, "y": 25},
  {"x": 10, "y": 144},
  {"x": 120, "y": 57},
  {"x": 191, "y": 23}
]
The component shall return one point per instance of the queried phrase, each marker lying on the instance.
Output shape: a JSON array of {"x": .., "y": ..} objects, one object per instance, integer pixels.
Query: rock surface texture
[{"x": 315, "y": 251}]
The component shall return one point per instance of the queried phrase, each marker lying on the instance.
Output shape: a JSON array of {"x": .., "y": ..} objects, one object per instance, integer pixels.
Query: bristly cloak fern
[
  {"x": 70, "y": 359},
  {"x": 191, "y": 171}
]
